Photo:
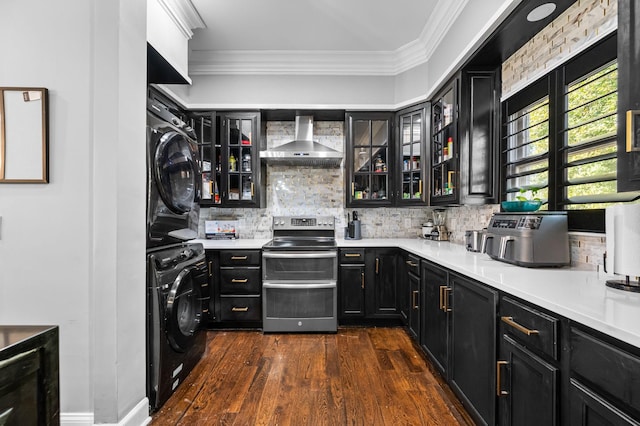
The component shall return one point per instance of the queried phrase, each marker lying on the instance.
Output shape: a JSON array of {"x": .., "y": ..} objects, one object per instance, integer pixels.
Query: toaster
[{"x": 534, "y": 239}]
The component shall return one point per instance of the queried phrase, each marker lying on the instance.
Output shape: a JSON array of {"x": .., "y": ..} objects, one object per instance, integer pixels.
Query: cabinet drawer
[
  {"x": 534, "y": 329},
  {"x": 607, "y": 367},
  {"x": 412, "y": 263},
  {"x": 240, "y": 280},
  {"x": 240, "y": 257},
  {"x": 352, "y": 255},
  {"x": 240, "y": 308}
]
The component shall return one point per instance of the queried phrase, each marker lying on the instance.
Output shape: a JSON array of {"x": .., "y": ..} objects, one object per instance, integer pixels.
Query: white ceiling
[{"x": 347, "y": 37}]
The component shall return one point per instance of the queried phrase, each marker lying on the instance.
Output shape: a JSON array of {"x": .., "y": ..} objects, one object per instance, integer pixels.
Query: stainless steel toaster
[{"x": 533, "y": 239}]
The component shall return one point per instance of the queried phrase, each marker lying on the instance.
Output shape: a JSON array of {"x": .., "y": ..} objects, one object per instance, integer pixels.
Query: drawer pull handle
[
  {"x": 352, "y": 255},
  {"x": 444, "y": 297},
  {"x": 520, "y": 328},
  {"x": 238, "y": 257},
  {"x": 415, "y": 294},
  {"x": 499, "y": 391},
  {"x": 412, "y": 264},
  {"x": 210, "y": 268},
  {"x": 240, "y": 309},
  {"x": 377, "y": 265},
  {"x": 362, "y": 280},
  {"x": 236, "y": 280}
]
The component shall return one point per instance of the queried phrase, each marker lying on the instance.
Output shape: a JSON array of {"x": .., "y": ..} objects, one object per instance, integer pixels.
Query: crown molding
[
  {"x": 184, "y": 14},
  {"x": 303, "y": 62}
]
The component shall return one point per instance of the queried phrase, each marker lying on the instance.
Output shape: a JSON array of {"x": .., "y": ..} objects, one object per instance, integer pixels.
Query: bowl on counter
[{"x": 521, "y": 206}]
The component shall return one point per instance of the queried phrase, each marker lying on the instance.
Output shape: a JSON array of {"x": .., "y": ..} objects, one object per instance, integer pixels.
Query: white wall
[{"x": 72, "y": 251}]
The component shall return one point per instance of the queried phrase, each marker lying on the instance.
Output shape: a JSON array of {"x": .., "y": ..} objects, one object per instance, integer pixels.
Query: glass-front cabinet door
[
  {"x": 444, "y": 147},
  {"x": 204, "y": 125},
  {"x": 240, "y": 161},
  {"x": 369, "y": 156},
  {"x": 412, "y": 158},
  {"x": 229, "y": 158}
]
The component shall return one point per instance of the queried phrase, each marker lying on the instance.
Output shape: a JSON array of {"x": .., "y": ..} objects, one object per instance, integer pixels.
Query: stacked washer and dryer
[{"x": 177, "y": 274}]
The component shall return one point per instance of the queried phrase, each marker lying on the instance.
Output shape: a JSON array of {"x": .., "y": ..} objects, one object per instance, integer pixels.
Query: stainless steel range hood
[{"x": 303, "y": 150}]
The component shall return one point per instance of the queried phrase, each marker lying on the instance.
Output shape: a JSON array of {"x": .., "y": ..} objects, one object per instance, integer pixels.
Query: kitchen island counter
[{"x": 577, "y": 294}]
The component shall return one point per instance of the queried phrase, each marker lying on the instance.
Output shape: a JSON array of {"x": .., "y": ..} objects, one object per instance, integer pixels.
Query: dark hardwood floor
[{"x": 359, "y": 376}]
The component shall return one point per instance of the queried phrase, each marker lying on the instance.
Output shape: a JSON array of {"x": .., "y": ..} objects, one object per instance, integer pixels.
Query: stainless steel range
[{"x": 299, "y": 276}]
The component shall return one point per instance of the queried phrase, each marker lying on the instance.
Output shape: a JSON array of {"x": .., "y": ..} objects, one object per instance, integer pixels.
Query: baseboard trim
[{"x": 138, "y": 416}]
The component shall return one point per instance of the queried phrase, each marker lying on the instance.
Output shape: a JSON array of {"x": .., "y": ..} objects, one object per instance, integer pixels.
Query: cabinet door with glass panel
[
  {"x": 369, "y": 156},
  {"x": 444, "y": 147},
  {"x": 412, "y": 156},
  {"x": 240, "y": 135},
  {"x": 204, "y": 125}
]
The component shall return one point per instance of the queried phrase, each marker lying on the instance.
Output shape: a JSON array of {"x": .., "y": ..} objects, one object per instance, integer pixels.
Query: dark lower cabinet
[
  {"x": 367, "y": 284},
  {"x": 527, "y": 387},
  {"x": 351, "y": 291},
  {"x": 472, "y": 369},
  {"x": 435, "y": 315},
  {"x": 587, "y": 408},
  {"x": 380, "y": 287}
]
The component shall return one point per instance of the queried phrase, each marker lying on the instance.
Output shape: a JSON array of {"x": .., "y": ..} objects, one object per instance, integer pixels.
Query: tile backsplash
[{"x": 320, "y": 191}]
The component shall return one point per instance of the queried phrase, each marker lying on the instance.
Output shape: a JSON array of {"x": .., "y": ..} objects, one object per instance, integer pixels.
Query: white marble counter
[{"x": 579, "y": 295}]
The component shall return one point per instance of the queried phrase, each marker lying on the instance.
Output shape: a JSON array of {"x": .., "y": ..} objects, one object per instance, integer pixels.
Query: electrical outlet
[{"x": 407, "y": 222}]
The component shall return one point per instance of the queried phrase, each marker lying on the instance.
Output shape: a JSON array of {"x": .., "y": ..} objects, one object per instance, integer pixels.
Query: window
[{"x": 560, "y": 138}]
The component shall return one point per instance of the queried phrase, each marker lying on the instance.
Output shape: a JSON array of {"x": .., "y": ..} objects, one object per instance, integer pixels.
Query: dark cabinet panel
[
  {"x": 527, "y": 387},
  {"x": 479, "y": 136},
  {"x": 381, "y": 292},
  {"x": 414, "y": 306},
  {"x": 473, "y": 346},
  {"x": 435, "y": 314},
  {"x": 628, "y": 91},
  {"x": 351, "y": 290},
  {"x": 587, "y": 408}
]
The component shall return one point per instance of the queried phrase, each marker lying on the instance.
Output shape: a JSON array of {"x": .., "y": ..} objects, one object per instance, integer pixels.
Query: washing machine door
[
  {"x": 183, "y": 310},
  {"x": 177, "y": 172}
]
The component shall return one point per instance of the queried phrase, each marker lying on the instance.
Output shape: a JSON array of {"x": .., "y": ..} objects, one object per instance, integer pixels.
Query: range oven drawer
[
  {"x": 240, "y": 280},
  {"x": 240, "y": 308}
]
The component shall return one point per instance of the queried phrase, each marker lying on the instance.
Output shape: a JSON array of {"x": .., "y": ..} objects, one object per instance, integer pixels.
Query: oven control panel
[{"x": 301, "y": 222}]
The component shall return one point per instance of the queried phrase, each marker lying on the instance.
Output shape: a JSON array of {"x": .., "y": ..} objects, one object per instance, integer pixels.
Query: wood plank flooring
[{"x": 358, "y": 376}]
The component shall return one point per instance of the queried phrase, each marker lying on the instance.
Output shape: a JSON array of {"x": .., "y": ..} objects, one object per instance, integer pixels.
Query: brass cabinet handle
[
  {"x": 252, "y": 190},
  {"x": 210, "y": 187},
  {"x": 205, "y": 311},
  {"x": 412, "y": 264},
  {"x": 444, "y": 297},
  {"x": 362, "y": 280},
  {"x": 352, "y": 255},
  {"x": 520, "y": 328},
  {"x": 353, "y": 189},
  {"x": 420, "y": 187},
  {"x": 240, "y": 309},
  {"x": 238, "y": 257},
  {"x": 210, "y": 268},
  {"x": 239, "y": 281},
  {"x": 377, "y": 265},
  {"x": 415, "y": 294},
  {"x": 499, "y": 391}
]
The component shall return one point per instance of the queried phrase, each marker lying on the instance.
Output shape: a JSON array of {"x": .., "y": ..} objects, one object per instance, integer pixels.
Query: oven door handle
[
  {"x": 305, "y": 286},
  {"x": 300, "y": 254}
]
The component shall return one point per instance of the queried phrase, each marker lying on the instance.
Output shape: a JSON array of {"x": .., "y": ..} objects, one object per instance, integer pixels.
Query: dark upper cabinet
[
  {"x": 369, "y": 159},
  {"x": 229, "y": 144},
  {"x": 479, "y": 128},
  {"x": 628, "y": 92},
  {"x": 444, "y": 148},
  {"x": 411, "y": 153}
]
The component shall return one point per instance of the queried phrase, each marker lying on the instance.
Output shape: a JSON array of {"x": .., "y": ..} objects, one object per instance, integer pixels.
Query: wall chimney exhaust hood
[{"x": 303, "y": 150}]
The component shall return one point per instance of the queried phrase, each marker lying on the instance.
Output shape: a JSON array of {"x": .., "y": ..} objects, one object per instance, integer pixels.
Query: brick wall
[{"x": 579, "y": 27}]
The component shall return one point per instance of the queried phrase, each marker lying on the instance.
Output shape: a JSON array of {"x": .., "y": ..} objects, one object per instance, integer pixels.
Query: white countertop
[{"x": 579, "y": 295}]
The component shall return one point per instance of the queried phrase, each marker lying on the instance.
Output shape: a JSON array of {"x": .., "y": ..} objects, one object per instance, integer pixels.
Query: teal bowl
[{"x": 521, "y": 206}]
